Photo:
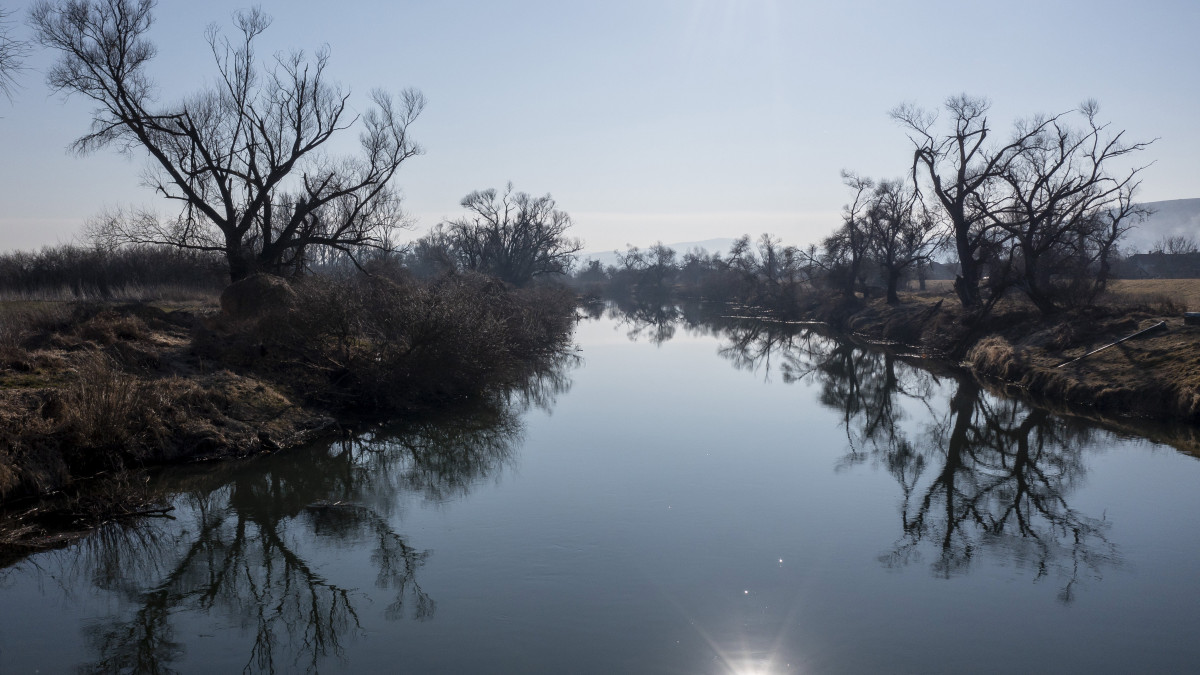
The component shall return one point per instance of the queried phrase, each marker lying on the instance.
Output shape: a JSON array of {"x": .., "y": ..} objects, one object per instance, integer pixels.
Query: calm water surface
[{"x": 679, "y": 500}]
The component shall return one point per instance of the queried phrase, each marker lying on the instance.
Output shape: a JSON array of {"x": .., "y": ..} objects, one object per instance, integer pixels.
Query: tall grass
[{"x": 70, "y": 272}]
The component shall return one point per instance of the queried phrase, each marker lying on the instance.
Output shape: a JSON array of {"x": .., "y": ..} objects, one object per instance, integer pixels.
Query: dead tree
[
  {"x": 901, "y": 235},
  {"x": 847, "y": 248},
  {"x": 243, "y": 159},
  {"x": 962, "y": 169},
  {"x": 1064, "y": 208}
]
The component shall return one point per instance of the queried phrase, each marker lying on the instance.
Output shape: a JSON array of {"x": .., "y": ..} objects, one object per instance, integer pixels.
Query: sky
[{"x": 671, "y": 120}]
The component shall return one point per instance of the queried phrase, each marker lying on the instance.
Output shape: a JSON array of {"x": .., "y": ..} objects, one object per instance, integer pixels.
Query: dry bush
[
  {"x": 997, "y": 357},
  {"x": 19, "y": 323},
  {"x": 388, "y": 344},
  {"x": 256, "y": 297},
  {"x": 106, "y": 411}
]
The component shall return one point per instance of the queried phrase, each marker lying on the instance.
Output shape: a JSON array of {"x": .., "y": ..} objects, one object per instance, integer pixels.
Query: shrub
[{"x": 379, "y": 343}]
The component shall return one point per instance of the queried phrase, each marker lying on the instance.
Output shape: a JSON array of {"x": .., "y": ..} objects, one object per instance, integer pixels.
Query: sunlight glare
[{"x": 756, "y": 669}]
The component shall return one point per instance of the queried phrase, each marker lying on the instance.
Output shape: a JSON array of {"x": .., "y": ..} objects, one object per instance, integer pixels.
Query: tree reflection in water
[
  {"x": 238, "y": 550},
  {"x": 980, "y": 476},
  {"x": 654, "y": 319}
]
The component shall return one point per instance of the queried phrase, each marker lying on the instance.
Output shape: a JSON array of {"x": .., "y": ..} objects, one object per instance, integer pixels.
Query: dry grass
[
  {"x": 157, "y": 293},
  {"x": 1155, "y": 376},
  {"x": 933, "y": 287},
  {"x": 89, "y": 387},
  {"x": 1183, "y": 292},
  {"x": 96, "y": 387}
]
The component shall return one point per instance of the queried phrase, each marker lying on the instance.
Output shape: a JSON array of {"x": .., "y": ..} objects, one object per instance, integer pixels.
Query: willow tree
[
  {"x": 513, "y": 236},
  {"x": 846, "y": 250},
  {"x": 12, "y": 54},
  {"x": 1065, "y": 207},
  {"x": 963, "y": 168},
  {"x": 244, "y": 159},
  {"x": 901, "y": 235}
]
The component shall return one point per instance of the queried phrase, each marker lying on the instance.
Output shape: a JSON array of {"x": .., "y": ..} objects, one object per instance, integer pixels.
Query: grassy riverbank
[
  {"x": 1156, "y": 375},
  {"x": 96, "y": 389}
]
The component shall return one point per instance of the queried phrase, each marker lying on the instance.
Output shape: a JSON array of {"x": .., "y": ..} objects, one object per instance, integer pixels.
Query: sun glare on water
[{"x": 760, "y": 669}]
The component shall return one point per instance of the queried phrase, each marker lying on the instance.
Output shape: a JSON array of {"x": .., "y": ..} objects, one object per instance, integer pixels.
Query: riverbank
[
  {"x": 93, "y": 390},
  {"x": 1155, "y": 375}
]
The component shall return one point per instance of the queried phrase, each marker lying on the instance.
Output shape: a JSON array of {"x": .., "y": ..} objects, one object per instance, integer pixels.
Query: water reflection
[
  {"x": 980, "y": 476},
  {"x": 247, "y": 545},
  {"x": 655, "y": 319},
  {"x": 992, "y": 475}
]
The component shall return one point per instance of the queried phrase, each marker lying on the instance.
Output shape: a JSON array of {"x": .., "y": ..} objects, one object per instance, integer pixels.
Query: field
[{"x": 1184, "y": 292}]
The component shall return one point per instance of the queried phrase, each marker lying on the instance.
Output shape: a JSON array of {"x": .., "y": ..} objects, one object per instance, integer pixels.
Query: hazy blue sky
[{"x": 656, "y": 119}]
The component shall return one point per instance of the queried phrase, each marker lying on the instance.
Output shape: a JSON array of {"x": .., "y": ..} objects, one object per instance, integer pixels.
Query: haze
[{"x": 665, "y": 120}]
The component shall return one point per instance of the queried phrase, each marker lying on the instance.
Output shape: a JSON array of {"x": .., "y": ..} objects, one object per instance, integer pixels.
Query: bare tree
[
  {"x": 244, "y": 159},
  {"x": 1063, "y": 208},
  {"x": 901, "y": 234},
  {"x": 512, "y": 236},
  {"x": 846, "y": 249},
  {"x": 661, "y": 264},
  {"x": 1176, "y": 245},
  {"x": 12, "y": 55},
  {"x": 741, "y": 260},
  {"x": 780, "y": 265},
  {"x": 962, "y": 169}
]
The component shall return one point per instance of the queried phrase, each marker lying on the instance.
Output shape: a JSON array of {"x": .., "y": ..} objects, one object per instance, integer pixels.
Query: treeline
[
  {"x": 1039, "y": 214},
  {"x": 764, "y": 273},
  {"x": 511, "y": 236},
  {"x": 77, "y": 272}
]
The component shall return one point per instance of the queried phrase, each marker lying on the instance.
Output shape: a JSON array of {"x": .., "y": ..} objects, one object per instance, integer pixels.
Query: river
[{"x": 678, "y": 497}]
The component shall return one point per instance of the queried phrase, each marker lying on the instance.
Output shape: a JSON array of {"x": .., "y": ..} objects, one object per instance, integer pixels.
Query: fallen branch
[{"x": 1157, "y": 326}]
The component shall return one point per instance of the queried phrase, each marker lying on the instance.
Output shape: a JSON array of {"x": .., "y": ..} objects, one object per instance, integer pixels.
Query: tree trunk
[
  {"x": 966, "y": 284},
  {"x": 241, "y": 263},
  {"x": 893, "y": 280},
  {"x": 1036, "y": 285}
]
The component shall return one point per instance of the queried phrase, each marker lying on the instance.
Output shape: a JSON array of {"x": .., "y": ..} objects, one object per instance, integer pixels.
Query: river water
[{"x": 678, "y": 498}]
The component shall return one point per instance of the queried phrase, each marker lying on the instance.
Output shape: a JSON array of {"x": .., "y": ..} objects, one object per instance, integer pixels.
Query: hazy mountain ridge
[{"x": 1169, "y": 218}]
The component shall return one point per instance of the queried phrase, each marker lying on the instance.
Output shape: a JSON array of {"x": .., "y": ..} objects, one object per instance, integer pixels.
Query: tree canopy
[
  {"x": 511, "y": 235},
  {"x": 244, "y": 159}
]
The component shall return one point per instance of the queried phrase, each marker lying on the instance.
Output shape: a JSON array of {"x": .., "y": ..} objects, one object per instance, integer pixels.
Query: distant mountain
[
  {"x": 607, "y": 258},
  {"x": 1170, "y": 218}
]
